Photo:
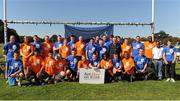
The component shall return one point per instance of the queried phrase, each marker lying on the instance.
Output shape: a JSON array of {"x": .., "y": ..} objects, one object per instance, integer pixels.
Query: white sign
[{"x": 92, "y": 76}]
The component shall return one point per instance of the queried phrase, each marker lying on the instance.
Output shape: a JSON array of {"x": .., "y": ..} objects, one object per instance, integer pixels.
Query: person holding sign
[
  {"x": 107, "y": 64},
  {"x": 83, "y": 63},
  {"x": 128, "y": 66}
]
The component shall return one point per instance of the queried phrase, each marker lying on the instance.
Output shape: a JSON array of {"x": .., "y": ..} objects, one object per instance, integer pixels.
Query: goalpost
[{"x": 152, "y": 24}]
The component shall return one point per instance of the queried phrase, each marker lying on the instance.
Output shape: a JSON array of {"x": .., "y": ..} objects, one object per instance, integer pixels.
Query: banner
[
  {"x": 92, "y": 76},
  {"x": 88, "y": 32}
]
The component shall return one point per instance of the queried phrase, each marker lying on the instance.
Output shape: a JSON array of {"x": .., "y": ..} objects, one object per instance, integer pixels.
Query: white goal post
[{"x": 152, "y": 24}]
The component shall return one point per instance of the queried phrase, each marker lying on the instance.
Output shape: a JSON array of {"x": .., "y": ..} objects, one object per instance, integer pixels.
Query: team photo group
[{"x": 49, "y": 63}]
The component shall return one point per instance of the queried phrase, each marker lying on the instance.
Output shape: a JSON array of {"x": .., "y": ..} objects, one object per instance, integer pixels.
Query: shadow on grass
[{"x": 177, "y": 77}]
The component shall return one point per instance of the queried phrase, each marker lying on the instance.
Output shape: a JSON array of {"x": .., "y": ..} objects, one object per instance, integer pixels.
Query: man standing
[
  {"x": 71, "y": 43},
  {"x": 169, "y": 57},
  {"x": 148, "y": 46},
  {"x": 157, "y": 60},
  {"x": 80, "y": 47},
  {"x": 37, "y": 45},
  {"x": 47, "y": 47},
  {"x": 126, "y": 47},
  {"x": 101, "y": 49},
  {"x": 136, "y": 46},
  {"x": 10, "y": 47},
  {"x": 26, "y": 51},
  {"x": 90, "y": 49},
  {"x": 64, "y": 50},
  {"x": 57, "y": 46},
  {"x": 115, "y": 48}
]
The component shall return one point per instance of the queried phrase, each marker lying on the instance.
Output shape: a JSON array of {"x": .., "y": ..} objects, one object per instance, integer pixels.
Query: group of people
[{"x": 48, "y": 62}]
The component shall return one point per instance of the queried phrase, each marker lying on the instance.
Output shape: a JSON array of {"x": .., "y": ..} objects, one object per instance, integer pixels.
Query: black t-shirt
[{"x": 115, "y": 48}]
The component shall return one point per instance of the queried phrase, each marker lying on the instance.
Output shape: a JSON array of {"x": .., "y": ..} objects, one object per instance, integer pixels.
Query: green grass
[{"x": 138, "y": 90}]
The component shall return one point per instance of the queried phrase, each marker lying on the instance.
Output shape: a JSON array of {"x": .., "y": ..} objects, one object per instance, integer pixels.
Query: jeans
[
  {"x": 170, "y": 70},
  {"x": 158, "y": 68}
]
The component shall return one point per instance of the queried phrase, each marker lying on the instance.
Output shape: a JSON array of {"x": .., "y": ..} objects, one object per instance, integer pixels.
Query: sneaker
[
  {"x": 55, "y": 82},
  {"x": 172, "y": 80},
  {"x": 43, "y": 83},
  {"x": 168, "y": 79},
  {"x": 7, "y": 82},
  {"x": 19, "y": 83},
  {"x": 146, "y": 77},
  {"x": 119, "y": 78},
  {"x": 159, "y": 78},
  {"x": 131, "y": 79},
  {"x": 47, "y": 79},
  {"x": 33, "y": 80}
]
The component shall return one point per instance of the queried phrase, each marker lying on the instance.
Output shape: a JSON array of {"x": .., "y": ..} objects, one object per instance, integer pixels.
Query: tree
[
  {"x": 9, "y": 33},
  {"x": 53, "y": 38}
]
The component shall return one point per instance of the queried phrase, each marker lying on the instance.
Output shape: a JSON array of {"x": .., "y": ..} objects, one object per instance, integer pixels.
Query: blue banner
[{"x": 88, "y": 32}]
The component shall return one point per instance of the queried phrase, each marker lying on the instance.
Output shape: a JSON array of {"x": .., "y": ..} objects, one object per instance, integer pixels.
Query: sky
[{"x": 167, "y": 15}]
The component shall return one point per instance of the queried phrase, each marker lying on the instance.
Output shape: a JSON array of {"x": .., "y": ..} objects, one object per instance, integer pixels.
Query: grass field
[{"x": 138, "y": 90}]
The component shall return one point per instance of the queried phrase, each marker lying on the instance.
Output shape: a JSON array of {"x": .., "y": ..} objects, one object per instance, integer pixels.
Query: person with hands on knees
[
  {"x": 141, "y": 64},
  {"x": 72, "y": 65},
  {"x": 128, "y": 66},
  {"x": 34, "y": 67},
  {"x": 106, "y": 63},
  {"x": 60, "y": 72},
  {"x": 95, "y": 62},
  {"x": 48, "y": 68},
  {"x": 13, "y": 72},
  {"x": 117, "y": 67}
]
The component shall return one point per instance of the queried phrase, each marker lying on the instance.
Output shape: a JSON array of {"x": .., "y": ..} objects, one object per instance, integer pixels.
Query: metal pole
[
  {"x": 5, "y": 20},
  {"x": 153, "y": 15}
]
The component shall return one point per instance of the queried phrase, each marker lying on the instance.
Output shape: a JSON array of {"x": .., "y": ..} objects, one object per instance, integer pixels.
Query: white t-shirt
[{"x": 157, "y": 53}]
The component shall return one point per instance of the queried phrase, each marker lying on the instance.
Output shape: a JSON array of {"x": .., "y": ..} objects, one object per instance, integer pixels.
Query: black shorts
[
  {"x": 46, "y": 75},
  {"x": 74, "y": 73}
]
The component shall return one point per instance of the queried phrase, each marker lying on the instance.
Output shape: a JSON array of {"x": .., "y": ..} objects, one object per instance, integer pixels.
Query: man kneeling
[
  {"x": 34, "y": 67},
  {"x": 14, "y": 70},
  {"x": 141, "y": 64}
]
